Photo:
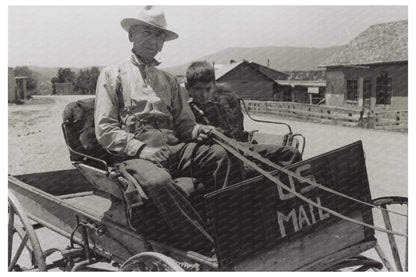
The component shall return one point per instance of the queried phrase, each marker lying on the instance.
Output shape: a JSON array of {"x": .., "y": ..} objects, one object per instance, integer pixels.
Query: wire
[{"x": 294, "y": 175}]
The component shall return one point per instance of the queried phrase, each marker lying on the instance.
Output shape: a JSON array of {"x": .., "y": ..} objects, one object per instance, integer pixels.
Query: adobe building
[
  {"x": 11, "y": 85},
  {"x": 250, "y": 80},
  {"x": 301, "y": 91},
  {"x": 17, "y": 87},
  {"x": 371, "y": 72},
  {"x": 21, "y": 87}
]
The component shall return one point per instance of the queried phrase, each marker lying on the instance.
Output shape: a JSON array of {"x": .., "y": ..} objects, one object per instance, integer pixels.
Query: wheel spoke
[
  {"x": 30, "y": 239},
  {"x": 22, "y": 233},
  {"x": 29, "y": 248},
  {"x": 383, "y": 257},
  {"x": 385, "y": 202},
  {"x": 392, "y": 239},
  {"x": 11, "y": 233},
  {"x": 406, "y": 261},
  {"x": 18, "y": 252}
]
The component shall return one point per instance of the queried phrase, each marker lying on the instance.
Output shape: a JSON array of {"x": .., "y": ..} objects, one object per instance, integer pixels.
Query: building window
[
  {"x": 383, "y": 89},
  {"x": 352, "y": 90}
]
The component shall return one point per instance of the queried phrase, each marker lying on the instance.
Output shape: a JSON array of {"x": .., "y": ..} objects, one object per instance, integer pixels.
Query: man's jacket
[{"x": 139, "y": 105}]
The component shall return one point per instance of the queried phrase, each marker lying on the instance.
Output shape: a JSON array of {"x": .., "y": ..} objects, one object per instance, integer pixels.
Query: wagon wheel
[
  {"x": 357, "y": 263},
  {"x": 385, "y": 202},
  {"x": 19, "y": 223},
  {"x": 150, "y": 261}
]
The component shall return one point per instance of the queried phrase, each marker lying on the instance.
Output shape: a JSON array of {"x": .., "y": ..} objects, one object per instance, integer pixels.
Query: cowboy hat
[{"x": 149, "y": 16}]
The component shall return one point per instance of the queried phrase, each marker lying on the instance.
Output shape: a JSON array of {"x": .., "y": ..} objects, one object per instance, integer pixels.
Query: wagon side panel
[
  {"x": 260, "y": 225},
  {"x": 59, "y": 215}
]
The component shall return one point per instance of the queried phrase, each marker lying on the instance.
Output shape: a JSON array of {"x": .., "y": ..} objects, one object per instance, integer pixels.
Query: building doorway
[{"x": 367, "y": 93}]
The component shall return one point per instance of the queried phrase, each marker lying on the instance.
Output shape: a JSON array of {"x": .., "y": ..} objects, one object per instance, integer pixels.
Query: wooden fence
[
  {"x": 334, "y": 115},
  {"x": 391, "y": 120}
]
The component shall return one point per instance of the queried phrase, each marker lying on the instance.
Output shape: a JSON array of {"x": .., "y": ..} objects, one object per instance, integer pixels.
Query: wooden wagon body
[{"x": 257, "y": 225}]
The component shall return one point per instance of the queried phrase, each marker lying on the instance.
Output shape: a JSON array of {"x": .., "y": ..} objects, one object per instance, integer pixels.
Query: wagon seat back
[
  {"x": 78, "y": 127},
  {"x": 87, "y": 155}
]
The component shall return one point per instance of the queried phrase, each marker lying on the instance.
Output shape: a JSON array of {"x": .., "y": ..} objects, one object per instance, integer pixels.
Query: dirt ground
[{"x": 36, "y": 144}]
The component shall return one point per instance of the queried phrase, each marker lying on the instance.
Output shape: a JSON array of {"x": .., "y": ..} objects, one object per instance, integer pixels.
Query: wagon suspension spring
[
  {"x": 71, "y": 238},
  {"x": 187, "y": 266}
]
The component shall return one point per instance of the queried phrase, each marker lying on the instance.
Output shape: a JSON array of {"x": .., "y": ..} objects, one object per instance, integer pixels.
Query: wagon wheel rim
[
  {"x": 384, "y": 202},
  {"x": 150, "y": 261},
  {"x": 27, "y": 234}
]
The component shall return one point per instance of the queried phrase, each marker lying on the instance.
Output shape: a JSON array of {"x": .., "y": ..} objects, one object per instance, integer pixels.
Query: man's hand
[
  {"x": 204, "y": 132},
  {"x": 154, "y": 154}
]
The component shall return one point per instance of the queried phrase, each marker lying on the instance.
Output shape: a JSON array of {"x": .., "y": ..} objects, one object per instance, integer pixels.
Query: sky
[{"x": 82, "y": 36}]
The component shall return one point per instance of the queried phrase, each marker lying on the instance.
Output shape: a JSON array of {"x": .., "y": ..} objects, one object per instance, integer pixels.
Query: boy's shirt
[{"x": 223, "y": 111}]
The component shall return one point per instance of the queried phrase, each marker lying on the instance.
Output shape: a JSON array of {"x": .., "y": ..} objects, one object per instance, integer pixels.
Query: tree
[
  {"x": 81, "y": 82},
  {"x": 53, "y": 81},
  {"x": 86, "y": 80},
  {"x": 31, "y": 82},
  {"x": 93, "y": 77},
  {"x": 65, "y": 75}
]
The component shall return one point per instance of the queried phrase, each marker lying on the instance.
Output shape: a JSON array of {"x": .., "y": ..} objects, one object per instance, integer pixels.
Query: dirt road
[{"x": 36, "y": 142}]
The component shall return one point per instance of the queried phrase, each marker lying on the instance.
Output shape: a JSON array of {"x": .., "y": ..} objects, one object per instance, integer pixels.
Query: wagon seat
[{"x": 88, "y": 155}]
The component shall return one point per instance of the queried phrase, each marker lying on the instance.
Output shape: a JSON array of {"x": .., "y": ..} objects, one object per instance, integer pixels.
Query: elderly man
[{"x": 142, "y": 117}]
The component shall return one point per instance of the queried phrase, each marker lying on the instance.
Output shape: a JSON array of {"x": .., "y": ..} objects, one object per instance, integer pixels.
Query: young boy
[{"x": 220, "y": 105}]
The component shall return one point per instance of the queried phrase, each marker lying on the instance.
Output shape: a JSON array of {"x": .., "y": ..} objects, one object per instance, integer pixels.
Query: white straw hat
[{"x": 150, "y": 16}]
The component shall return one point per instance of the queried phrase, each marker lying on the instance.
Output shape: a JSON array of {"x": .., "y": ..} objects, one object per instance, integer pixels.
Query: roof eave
[{"x": 361, "y": 65}]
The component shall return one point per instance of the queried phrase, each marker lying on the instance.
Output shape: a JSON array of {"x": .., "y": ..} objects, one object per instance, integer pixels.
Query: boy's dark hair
[{"x": 200, "y": 71}]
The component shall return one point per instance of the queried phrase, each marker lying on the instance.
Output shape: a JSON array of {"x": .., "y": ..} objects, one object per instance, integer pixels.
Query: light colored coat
[{"x": 139, "y": 105}]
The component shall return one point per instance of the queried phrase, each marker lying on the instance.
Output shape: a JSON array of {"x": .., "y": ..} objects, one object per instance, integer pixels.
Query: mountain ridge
[
  {"x": 280, "y": 58},
  {"x": 287, "y": 58}
]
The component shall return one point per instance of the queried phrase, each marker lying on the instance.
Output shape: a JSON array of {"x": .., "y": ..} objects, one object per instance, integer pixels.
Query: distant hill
[
  {"x": 44, "y": 85},
  {"x": 48, "y": 72},
  {"x": 280, "y": 58}
]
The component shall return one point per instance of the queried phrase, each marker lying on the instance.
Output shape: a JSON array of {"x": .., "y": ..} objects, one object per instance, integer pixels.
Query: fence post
[
  {"x": 398, "y": 118},
  {"x": 335, "y": 116},
  {"x": 361, "y": 119},
  {"x": 370, "y": 118}
]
